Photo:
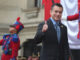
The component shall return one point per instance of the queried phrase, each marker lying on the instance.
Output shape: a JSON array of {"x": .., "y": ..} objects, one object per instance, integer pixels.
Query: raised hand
[{"x": 45, "y": 27}]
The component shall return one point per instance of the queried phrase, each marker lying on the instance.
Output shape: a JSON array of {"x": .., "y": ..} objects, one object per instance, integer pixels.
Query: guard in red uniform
[{"x": 11, "y": 42}]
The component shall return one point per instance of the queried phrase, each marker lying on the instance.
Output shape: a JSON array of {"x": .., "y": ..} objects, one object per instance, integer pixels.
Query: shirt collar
[{"x": 54, "y": 22}]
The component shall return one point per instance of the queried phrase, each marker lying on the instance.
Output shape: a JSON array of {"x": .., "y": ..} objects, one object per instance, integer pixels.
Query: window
[{"x": 38, "y": 3}]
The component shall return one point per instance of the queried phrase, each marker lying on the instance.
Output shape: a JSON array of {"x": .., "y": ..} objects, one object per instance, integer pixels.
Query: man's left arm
[{"x": 66, "y": 46}]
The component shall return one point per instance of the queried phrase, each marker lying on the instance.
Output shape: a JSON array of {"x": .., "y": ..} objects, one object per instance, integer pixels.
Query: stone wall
[{"x": 11, "y": 9}]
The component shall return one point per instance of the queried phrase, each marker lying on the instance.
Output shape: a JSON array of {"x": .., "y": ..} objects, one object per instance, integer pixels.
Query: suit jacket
[{"x": 51, "y": 48}]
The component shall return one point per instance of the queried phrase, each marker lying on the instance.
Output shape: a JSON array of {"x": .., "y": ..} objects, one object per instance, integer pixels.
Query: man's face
[
  {"x": 12, "y": 30},
  {"x": 56, "y": 13}
]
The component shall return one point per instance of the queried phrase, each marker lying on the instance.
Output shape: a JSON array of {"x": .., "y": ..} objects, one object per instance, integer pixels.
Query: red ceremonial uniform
[{"x": 74, "y": 17}]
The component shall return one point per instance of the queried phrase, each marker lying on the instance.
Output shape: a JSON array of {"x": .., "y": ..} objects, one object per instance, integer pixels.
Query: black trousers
[{"x": 75, "y": 54}]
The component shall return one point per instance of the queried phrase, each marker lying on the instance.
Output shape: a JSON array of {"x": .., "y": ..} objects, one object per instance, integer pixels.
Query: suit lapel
[
  {"x": 52, "y": 28},
  {"x": 61, "y": 29},
  {"x": 50, "y": 24}
]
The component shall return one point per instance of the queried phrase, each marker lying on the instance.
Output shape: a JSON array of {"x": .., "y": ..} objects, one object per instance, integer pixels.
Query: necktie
[{"x": 58, "y": 32}]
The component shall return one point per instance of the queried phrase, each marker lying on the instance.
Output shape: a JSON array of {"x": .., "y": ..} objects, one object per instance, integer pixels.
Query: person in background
[{"x": 11, "y": 42}]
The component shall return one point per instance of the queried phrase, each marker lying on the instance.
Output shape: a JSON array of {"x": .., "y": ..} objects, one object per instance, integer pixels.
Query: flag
[
  {"x": 47, "y": 6},
  {"x": 70, "y": 7},
  {"x": 78, "y": 4}
]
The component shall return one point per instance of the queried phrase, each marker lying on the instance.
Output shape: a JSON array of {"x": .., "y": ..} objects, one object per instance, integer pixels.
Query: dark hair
[{"x": 56, "y": 4}]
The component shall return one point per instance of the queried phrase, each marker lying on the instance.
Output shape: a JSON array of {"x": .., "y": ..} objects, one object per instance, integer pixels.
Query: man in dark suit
[{"x": 53, "y": 36}]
